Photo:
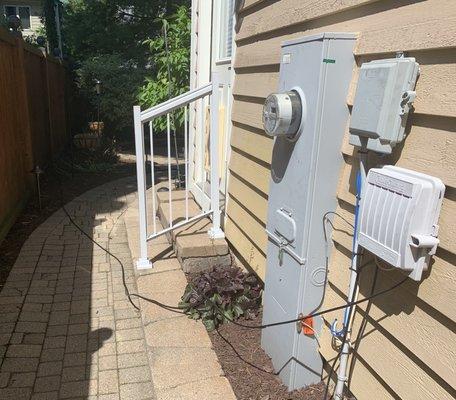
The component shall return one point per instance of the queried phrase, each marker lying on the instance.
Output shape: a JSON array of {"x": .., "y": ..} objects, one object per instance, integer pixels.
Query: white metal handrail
[
  {"x": 176, "y": 102},
  {"x": 147, "y": 116}
]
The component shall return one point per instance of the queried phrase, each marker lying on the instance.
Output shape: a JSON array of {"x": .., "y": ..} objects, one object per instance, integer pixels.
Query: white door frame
[
  {"x": 200, "y": 73},
  {"x": 206, "y": 31}
]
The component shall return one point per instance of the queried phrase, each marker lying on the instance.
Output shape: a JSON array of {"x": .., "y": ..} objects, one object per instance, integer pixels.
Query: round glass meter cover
[{"x": 270, "y": 114}]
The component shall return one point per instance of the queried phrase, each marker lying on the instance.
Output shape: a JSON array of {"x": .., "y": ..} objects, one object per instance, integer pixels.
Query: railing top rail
[{"x": 176, "y": 102}]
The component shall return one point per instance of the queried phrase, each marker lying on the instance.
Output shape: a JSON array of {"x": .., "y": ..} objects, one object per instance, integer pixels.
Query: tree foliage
[
  {"x": 170, "y": 60},
  {"x": 50, "y": 29},
  {"x": 120, "y": 82},
  {"x": 105, "y": 40}
]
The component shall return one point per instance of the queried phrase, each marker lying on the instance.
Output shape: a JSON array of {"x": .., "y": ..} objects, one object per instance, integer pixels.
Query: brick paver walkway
[{"x": 66, "y": 328}]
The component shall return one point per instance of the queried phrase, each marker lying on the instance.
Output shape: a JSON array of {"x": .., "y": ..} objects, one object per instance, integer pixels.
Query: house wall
[
  {"x": 408, "y": 350},
  {"x": 36, "y": 11}
]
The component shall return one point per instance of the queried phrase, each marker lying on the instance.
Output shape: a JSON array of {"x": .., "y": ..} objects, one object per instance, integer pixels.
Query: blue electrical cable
[{"x": 333, "y": 328}]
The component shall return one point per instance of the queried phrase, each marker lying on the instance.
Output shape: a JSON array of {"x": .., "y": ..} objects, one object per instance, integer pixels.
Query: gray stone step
[{"x": 195, "y": 250}]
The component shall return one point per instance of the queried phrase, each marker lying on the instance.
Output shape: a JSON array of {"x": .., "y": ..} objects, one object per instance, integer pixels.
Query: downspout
[{"x": 353, "y": 289}]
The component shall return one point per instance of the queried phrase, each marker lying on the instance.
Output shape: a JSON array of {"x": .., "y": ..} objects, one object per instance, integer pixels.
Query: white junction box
[
  {"x": 384, "y": 94},
  {"x": 399, "y": 217}
]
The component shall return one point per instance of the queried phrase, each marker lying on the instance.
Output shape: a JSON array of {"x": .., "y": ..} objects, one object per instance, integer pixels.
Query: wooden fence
[{"x": 33, "y": 120}]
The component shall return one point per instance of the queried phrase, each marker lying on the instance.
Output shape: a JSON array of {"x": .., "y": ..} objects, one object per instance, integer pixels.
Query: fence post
[
  {"x": 143, "y": 260},
  {"x": 215, "y": 232}
]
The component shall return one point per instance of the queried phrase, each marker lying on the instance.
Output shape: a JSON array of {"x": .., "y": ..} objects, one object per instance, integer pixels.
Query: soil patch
[{"x": 253, "y": 378}]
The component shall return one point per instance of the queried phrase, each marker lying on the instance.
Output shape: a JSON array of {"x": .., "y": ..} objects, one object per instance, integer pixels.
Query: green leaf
[
  {"x": 182, "y": 304},
  {"x": 238, "y": 311},
  {"x": 209, "y": 324},
  {"x": 229, "y": 315}
]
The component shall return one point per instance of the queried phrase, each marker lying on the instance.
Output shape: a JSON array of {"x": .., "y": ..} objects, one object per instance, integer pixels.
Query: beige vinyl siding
[
  {"x": 35, "y": 22},
  {"x": 408, "y": 350},
  {"x": 36, "y": 11}
]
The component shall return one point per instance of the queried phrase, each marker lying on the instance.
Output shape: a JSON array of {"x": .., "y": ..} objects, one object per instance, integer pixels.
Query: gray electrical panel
[
  {"x": 382, "y": 102},
  {"x": 304, "y": 177}
]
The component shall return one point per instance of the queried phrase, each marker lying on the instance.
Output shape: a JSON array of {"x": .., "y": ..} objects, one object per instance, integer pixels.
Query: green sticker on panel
[{"x": 329, "y": 61}]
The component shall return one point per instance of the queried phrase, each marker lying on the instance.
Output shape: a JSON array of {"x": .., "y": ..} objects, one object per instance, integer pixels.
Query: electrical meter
[{"x": 282, "y": 113}]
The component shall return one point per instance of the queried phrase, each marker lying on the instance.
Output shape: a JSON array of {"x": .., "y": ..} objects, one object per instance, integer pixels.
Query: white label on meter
[{"x": 286, "y": 59}]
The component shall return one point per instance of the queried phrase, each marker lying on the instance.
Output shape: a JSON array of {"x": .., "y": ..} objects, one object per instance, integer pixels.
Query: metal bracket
[
  {"x": 305, "y": 325},
  {"x": 284, "y": 248}
]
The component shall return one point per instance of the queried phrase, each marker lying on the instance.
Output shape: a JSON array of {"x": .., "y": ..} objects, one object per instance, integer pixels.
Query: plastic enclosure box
[
  {"x": 399, "y": 216},
  {"x": 382, "y": 103}
]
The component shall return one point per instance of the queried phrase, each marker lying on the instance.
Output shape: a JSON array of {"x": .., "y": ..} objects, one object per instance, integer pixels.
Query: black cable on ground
[
  {"x": 318, "y": 313},
  {"x": 127, "y": 291},
  {"x": 157, "y": 303},
  {"x": 122, "y": 267},
  {"x": 264, "y": 326},
  {"x": 169, "y": 307},
  {"x": 177, "y": 309}
]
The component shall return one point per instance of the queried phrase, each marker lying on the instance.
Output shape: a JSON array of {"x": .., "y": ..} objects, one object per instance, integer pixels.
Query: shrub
[{"x": 221, "y": 294}]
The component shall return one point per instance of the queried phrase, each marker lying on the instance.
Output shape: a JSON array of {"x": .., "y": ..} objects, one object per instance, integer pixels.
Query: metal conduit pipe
[{"x": 353, "y": 289}]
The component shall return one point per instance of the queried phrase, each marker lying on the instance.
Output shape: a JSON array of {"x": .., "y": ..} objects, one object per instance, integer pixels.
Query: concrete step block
[{"x": 195, "y": 250}]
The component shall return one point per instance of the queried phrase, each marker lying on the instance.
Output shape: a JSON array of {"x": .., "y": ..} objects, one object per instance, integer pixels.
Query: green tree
[
  {"x": 48, "y": 19},
  {"x": 105, "y": 39},
  {"x": 170, "y": 58},
  {"x": 120, "y": 81}
]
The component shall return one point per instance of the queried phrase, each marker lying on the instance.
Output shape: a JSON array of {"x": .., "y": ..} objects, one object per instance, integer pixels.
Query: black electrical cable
[
  {"x": 178, "y": 309},
  {"x": 170, "y": 308},
  {"x": 325, "y": 217},
  {"x": 127, "y": 291},
  {"x": 360, "y": 332},
  {"x": 165, "y": 306},
  {"x": 122, "y": 267},
  {"x": 319, "y": 313},
  {"x": 264, "y": 326}
]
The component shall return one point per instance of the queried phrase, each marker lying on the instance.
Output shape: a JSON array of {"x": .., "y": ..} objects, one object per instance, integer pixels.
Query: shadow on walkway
[{"x": 66, "y": 328}]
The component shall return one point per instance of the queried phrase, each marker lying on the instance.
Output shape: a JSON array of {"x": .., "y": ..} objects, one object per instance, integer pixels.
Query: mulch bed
[
  {"x": 256, "y": 381},
  {"x": 52, "y": 197}
]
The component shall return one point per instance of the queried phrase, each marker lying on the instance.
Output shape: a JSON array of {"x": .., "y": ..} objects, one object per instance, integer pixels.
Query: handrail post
[
  {"x": 215, "y": 232},
  {"x": 143, "y": 261}
]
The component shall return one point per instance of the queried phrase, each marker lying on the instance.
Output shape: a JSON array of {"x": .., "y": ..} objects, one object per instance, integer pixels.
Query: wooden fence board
[{"x": 32, "y": 133}]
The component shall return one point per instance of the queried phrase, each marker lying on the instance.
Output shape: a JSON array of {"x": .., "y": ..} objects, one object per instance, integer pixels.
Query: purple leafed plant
[{"x": 224, "y": 293}]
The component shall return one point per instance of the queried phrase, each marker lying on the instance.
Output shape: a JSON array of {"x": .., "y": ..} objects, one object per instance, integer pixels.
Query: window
[
  {"x": 226, "y": 28},
  {"x": 22, "y": 12}
]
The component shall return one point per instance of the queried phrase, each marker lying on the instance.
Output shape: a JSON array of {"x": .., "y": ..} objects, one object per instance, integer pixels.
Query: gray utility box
[
  {"x": 304, "y": 177},
  {"x": 382, "y": 103}
]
